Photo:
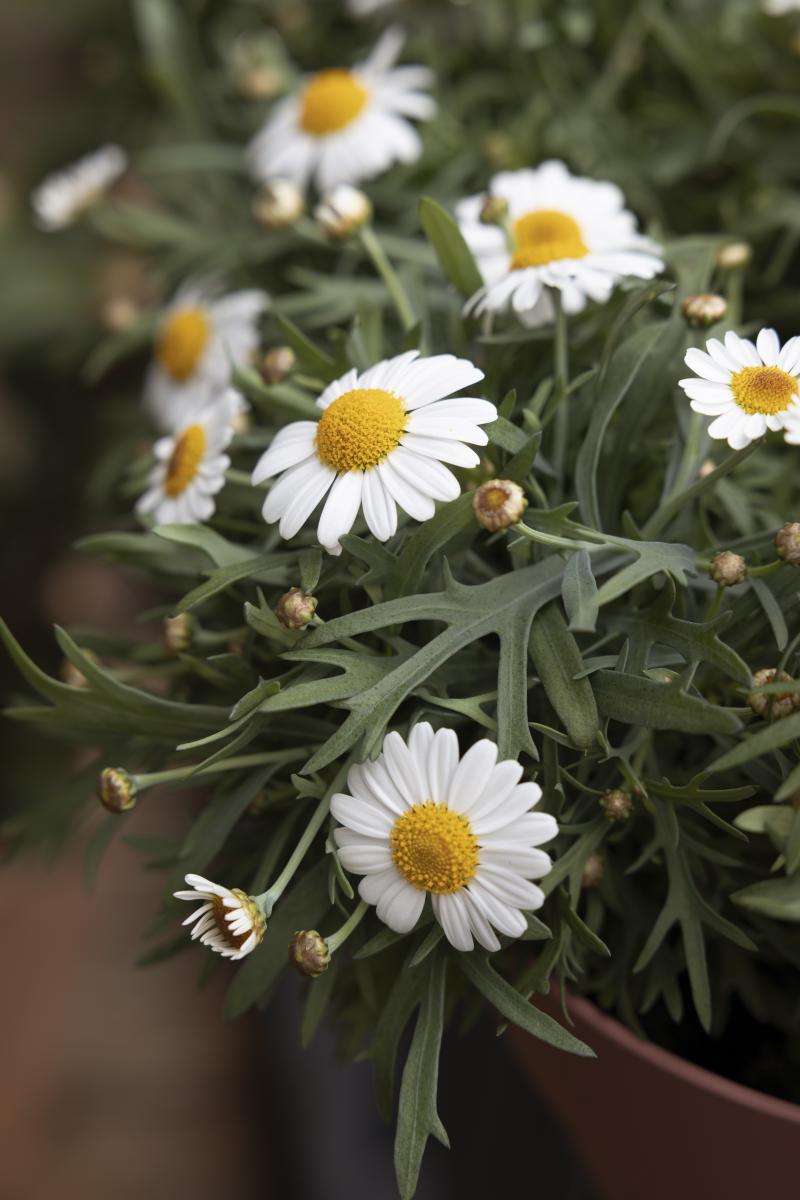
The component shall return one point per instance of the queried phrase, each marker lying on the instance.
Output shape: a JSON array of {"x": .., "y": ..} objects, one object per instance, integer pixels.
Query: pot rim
[{"x": 672, "y": 1064}]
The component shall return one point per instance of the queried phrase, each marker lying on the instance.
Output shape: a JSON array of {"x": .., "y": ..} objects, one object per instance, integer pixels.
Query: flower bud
[
  {"x": 295, "y": 608},
  {"x": 278, "y": 204},
  {"x": 119, "y": 313},
  {"x": 616, "y": 805},
  {"x": 787, "y": 543},
  {"x": 774, "y": 705},
  {"x": 727, "y": 569},
  {"x": 342, "y": 211},
  {"x": 277, "y": 363},
  {"x": 498, "y": 503},
  {"x": 706, "y": 468},
  {"x": 177, "y": 633},
  {"x": 116, "y": 790},
  {"x": 260, "y": 82},
  {"x": 309, "y": 953},
  {"x": 704, "y": 310},
  {"x": 734, "y": 255},
  {"x": 494, "y": 210},
  {"x": 593, "y": 870}
]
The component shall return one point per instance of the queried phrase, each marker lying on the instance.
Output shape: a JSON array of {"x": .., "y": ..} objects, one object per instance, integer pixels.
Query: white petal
[
  {"x": 471, "y": 776},
  {"x": 400, "y": 906},
  {"x": 380, "y": 510},
  {"x": 362, "y": 816},
  {"x": 341, "y": 509},
  {"x": 523, "y": 797},
  {"x": 403, "y": 768},
  {"x": 451, "y": 913},
  {"x": 366, "y": 858},
  {"x": 442, "y": 762},
  {"x": 768, "y": 346},
  {"x": 704, "y": 366}
]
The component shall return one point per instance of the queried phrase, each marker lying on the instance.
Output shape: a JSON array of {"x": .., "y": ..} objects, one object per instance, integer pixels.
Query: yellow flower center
[
  {"x": 181, "y": 342},
  {"x": 331, "y": 100},
  {"x": 434, "y": 848},
  {"x": 765, "y": 390},
  {"x": 544, "y": 236},
  {"x": 360, "y": 428},
  {"x": 257, "y": 923},
  {"x": 185, "y": 459}
]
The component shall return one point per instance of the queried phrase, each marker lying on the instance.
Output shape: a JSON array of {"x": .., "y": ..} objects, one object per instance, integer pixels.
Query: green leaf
[
  {"x": 772, "y": 611},
  {"x": 264, "y": 568},
  {"x": 558, "y": 660},
  {"x": 516, "y": 1009},
  {"x": 638, "y": 701},
  {"x": 319, "y": 994},
  {"x": 770, "y": 737},
  {"x": 453, "y": 253},
  {"x": 309, "y": 356},
  {"x": 221, "y": 552},
  {"x": 417, "y": 1117},
  {"x": 777, "y": 898},
  {"x": 579, "y": 593}
]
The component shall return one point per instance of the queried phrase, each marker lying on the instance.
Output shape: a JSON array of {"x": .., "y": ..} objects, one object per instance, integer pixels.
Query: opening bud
[
  {"x": 277, "y": 363},
  {"x": 727, "y": 569},
  {"x": 309, "y": 953},
  {"x": 498, "y": 503},
  {"x": 342, "y": 211},
  {"x": 116, "y": 790},
  {"x": 616, "y": 805},
  {"x": 295, "y": 608},
  {"x": 703, "y": 311},
  {"x": 775, "y": 705},
  {"x": 278, "y": 204},
  {"x": 177, "y": 633},
  {"x": 787, "y": 543}
]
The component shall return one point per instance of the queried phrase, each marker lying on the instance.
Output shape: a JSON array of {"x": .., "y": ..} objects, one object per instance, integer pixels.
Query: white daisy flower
[
  {"x": 747, "y": 388},
  {"x": 227, "y": 921},
  {"x": 202, "y": 336},
  {"x": 190, "y": 467},
  {"x": 381, "y": 441},
  {"x": 420, "y": 820},
  {"x": 344, "y": 126},
  {"x": 64, "y": 197},
  {"x": 561, "y": 232}
]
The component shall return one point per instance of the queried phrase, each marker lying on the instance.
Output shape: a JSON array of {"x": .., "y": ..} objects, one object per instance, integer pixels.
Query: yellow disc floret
[
  {"x": 185, "y": 459},
  {"x": 767, "y": 390},
  {"x": 331, "y": 100},
  {"x": 544, "y": 236},
  {"x": 360, "y": 428},
  {"x": 434, "y": 848},
  {"x": 181, "y": 342}
]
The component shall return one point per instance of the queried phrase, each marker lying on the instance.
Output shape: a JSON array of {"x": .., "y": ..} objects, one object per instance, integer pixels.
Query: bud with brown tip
[
  {"x": 278, "y": 204},
  {"x": 777, "y": 705},
  {"x": 116, "y": 790},
  {"x": 616, "y": 805},
  {"x": 734, "y": 255},
  {"x": 593, "y": 870},
  {"x": 700, "y": 312},
  {"x": 498, "y": 503},
  {"x": 295, "y": 608},
  {"x": 177, "y": 633},
  {"x": 277, "y": 363},
  {"x": 787, "y": 543},
  {"x": 309, "y": 953},
  {"x": 727, "y": 569}
]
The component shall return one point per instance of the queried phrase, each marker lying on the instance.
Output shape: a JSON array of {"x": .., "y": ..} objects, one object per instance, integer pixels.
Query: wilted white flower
[
  {"x": 381, "y": 441},
  {"x": 65, "y": 196},
  {"x": 421, "y": 821},
  {"x": 228, "y": 921}
]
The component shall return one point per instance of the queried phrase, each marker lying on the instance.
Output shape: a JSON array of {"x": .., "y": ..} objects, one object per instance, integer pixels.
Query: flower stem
[
  {"x": 389, "y": 276},
  {"x": 336, "y": 939},
  {"x": 677, "y": 501},
  {"x": 561, "y": 376},
  {"x": 235, "y": 763},
  {"x": 269, "y": 898}
]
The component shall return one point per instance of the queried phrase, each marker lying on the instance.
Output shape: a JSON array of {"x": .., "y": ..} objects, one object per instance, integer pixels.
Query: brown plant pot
[{"x": 649, "y": 1124}]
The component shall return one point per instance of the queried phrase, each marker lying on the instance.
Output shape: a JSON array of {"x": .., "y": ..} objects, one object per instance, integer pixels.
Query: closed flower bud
[
  {"x": 703, "y": 311},
  {"x": 309, "y": 953},
  {"x": 734, "y": 255},
  {"x": 177, "y": 633},
  {"x": 295, "y": 608},
  {"x": 260, "y": 82},
  {"x": 277, "y": 363},
  {"x": 278, "y": 204},
  {"x": 593, "y": 870},
  {"x": 706, "y": 468},
  {"x": 494, "y": 210},
  {"x": 616, "y": 805},
  {"x": 119, "y": 313},
  {"x": 777, "y": 705},
  {"x": 116, "y": 789},
  {"x": 787, "y": 543},
  {"x": 342, "y": 211},
  {"x": 727, "y": 569},
  {"x": 498, "y": 503}
]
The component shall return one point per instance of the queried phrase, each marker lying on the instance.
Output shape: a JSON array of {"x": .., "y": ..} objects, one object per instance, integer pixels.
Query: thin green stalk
[
  {"x": 561, "y": 387},
  {"x": 336, "y": 939},
  {"x": 235, "y": 763},
  {"x": 389, "y": 276},
  {"x": 678, "y": 500},
  {"x": 269, "y": 898}
]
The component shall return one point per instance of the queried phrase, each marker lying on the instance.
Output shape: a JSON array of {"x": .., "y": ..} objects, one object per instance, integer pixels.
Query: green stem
[
  {"x": 389, "y": 276},
  {"x": 341, "y": 935},
  {"x": 716, "y": 600},
  {"x": 269, "y": 898},
  {"x": 691, "y": 452},
  {"x": 234, "y": 763},
  {"x": 677, "y": 501},
  {"x": 766, "y": 568},
  {"x": 561, "y": 377}
]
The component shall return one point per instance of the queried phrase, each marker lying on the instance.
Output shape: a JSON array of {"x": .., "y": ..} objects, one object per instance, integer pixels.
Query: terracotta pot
[{"x": 648, "y": 1124}]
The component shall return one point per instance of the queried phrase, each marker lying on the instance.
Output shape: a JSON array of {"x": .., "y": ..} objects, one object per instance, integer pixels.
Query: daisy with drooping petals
[
  {"x": 191, "y": 465},
  {"x": 381, "y": 441},
  {"x": 202, "y": 336},
  {"x": 64, "y": 197},
  {"x": 228, "y": 921},
  {"x": 422, "y": 821},
  {"x": 344, "y": 126},
  {"x": 560, "y": 232},
  {"x": 747, "y": 388}
]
